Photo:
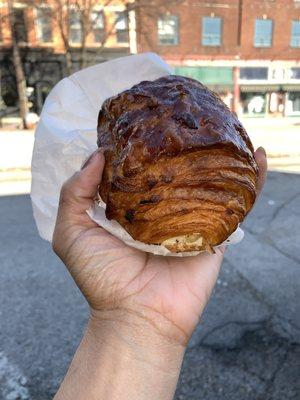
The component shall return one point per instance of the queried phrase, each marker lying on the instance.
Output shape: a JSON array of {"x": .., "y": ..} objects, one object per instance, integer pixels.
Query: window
[
  {"x": 44, "y": 25},
  {"x": 253, "y": 103},
  {"x": 295, "y": 73},
  {"x": 167, "y": 28},
  {"x": 20, "y": 25},
  {"x": 211, "y": 31},
  {"x": 254, "y": 73},
  {"x": 278, "y": 74},
  {"x": 98, "y": 25},
  {"x": 121, "y": 25},
  {"x": 293, "y": 103},
  {"x": 75, "y": 28},
  {"x": 295, "y": 34},
  {"x": 263, "y": 30}
]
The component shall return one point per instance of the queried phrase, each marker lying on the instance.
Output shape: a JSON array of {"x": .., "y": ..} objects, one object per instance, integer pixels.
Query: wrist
[
  {"x": 136, "y": 337},
  {"x": 122, "y": 357}
]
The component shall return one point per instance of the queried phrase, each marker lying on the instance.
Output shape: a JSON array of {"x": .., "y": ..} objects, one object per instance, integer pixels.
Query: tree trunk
[
  {"x": 69, "y": 62},
  {"x": 20, "y": 77},
  {"x": 83, "y": 56},
  {"x": 84, "y": 25}
]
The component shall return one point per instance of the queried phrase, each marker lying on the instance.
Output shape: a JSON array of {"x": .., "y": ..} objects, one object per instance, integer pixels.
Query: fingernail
[
  {"x": 90, "y": 158},
  {"x": 262, "y": 150}
]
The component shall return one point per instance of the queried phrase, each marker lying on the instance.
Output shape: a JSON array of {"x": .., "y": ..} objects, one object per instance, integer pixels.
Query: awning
[
  {"x": 269, "y": 88},
  {"x": 291, "y": 88},
  {"x": 216, "y": 78}
]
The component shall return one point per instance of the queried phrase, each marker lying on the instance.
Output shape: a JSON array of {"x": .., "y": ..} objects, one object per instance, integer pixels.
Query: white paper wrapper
[
  {"x": 97, "y": 213},
  {"x": 66, "y": 135}
]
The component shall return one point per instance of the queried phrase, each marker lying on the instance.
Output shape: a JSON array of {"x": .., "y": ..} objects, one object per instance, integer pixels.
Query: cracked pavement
[{"x": 246, "y": 347}]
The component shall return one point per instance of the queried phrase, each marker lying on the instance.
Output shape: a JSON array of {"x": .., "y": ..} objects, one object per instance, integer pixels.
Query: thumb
[
  {"x": 76, "y": 196},
  {"x": 261, "y": 160},
  {"x": 78, "y": 192}
]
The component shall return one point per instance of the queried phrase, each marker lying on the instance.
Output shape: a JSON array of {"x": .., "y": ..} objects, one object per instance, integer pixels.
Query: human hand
[
  {"x": 122, "y": 283},
  {"x": 144, "y": 308}
]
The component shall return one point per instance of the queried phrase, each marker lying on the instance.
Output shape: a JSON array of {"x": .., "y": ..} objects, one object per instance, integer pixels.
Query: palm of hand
[{"x": 168, "y": 291}]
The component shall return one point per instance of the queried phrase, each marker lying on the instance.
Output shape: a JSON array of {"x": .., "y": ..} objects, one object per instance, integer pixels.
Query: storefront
[
  {"x": 263, "y": 91},
  {"x": 270, "y": 100},
  {"x": 272, "y": 90},
  {"x": 218, "y": 79}
]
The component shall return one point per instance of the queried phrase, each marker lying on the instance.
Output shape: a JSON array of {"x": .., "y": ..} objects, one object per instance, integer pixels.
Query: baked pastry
[{"x": 180, "y": 168}]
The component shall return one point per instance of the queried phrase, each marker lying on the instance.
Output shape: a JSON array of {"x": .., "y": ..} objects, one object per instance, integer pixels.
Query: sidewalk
[
  {"x": 15, "y": 159},
  {"x": 280, "y": 138}
]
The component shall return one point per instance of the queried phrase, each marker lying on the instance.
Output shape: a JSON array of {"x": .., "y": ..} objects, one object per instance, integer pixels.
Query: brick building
[
  {"x": 43, "y": 49},
  {"x": 246, "y": 50}
]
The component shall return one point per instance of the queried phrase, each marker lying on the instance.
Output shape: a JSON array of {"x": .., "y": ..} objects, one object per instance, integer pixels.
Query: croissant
[{"x": 180, "y": 169}]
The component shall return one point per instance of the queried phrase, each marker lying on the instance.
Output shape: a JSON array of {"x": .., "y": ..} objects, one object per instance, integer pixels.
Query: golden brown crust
[{"x": 178, "y": 162}]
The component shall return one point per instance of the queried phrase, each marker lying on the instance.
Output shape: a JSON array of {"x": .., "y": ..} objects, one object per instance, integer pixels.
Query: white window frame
[
  {"x": 297, "y": 37},
  {"x": 72, "y": 9},
  {"x": 98, "y": 10},
  {"x": 220, "y": 36},
  {"x": 263, "y": 46},
  {"x": 121, "y": 30},
  {"x": 37, "y": 28},
  {"x": 176, "y": 37}
]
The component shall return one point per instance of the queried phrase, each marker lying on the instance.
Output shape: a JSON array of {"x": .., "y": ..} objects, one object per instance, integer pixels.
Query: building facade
[
  {"x": 246, "y": 50},
  {"x": 47, "y": 31}
]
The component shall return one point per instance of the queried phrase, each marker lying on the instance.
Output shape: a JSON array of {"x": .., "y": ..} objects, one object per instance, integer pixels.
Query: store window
[
  {"x": 295, "y": 34},
  {"x": 295, "y": 73},
  {"x": 253, "y": 103},
  {"x": 121, "y": 26},
  {"x": 97, "y": 18},
  {"x": 167, "y": 28},
  {"x": 20, "y": 27},
  {"x": 254, "y": 73},
  {"x": 263, "y": 31},
  {"x": 44, "y": 25},
  {"x": 293, "y": 103},
  {"x": 211, "y": 31},
  {"x": 75, "y": 27}
]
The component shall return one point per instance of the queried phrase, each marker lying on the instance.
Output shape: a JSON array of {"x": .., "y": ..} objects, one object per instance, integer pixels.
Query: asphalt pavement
[{"x": 247, "y": 346}]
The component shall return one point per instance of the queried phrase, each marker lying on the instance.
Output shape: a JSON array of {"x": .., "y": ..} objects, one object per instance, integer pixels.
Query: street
[{"x": 246, "y": 347}]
